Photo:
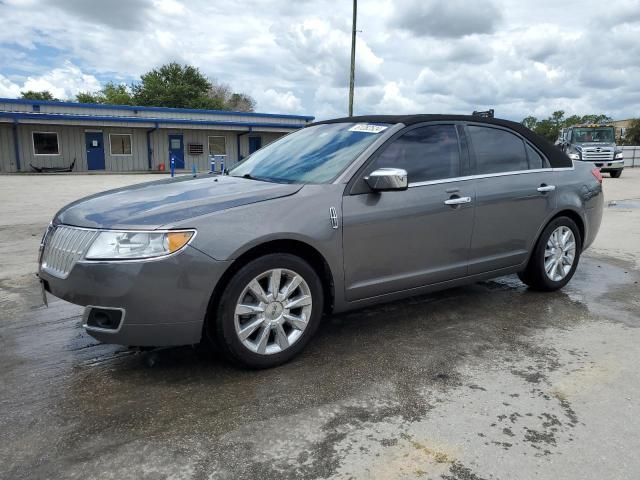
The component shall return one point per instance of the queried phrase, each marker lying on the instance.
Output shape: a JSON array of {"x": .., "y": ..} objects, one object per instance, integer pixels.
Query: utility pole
[{"x": 353, "y": 57}]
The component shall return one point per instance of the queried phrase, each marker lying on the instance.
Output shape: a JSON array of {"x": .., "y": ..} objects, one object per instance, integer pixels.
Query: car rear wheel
[
  {"x": 555, "y": 257},
  {"x": 615, "y": 173},
  {"x": 268, "y": 311}
]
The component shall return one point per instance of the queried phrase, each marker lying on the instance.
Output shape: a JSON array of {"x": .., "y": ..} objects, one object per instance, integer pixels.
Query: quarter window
[
  {"x": 45, "y": 143},
  {"x": 217, "y": 145},
  {"x": 497, "y": 150},
  {"x": 426, "y": 153},
  {"x": 535, "y": 159},
  {"x": 120, "y": 143}
]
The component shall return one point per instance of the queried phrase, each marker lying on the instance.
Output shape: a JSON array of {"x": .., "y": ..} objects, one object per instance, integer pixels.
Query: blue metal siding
[
  {"x": 93, "y": 118},
  {"x": 99, "y": 106}
]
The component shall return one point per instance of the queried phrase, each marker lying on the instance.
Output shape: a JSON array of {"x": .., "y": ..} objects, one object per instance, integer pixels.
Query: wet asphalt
[{"x": 488, "y": 381}]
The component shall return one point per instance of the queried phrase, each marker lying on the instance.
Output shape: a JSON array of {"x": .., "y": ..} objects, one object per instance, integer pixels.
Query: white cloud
[
  {"x": 64, "y": 82},
  {"x": 519, "y": 57},
  {"x": 280, "y": 101},
  {"x": 8, "y": 88}
]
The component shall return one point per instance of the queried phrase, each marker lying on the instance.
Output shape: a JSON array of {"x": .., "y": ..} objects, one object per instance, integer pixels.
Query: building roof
[
  {"x": 49, "y": 112},
  {"x": 136, "y": 108},
  {"x": 556, "y": 157}
]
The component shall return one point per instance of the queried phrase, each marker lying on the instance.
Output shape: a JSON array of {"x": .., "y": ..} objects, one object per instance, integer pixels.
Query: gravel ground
[{"x": 489, "y": 381}]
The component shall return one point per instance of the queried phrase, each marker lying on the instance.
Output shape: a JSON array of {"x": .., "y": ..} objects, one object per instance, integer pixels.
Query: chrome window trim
[
  {"x": 487, "y": 175},
  {"x": 85, "y": 319}
]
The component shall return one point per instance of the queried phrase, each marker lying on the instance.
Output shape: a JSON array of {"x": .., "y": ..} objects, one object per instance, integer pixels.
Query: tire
[
  {"x": 535, "y": 274},
  {"x": 266, "y": 312},
  {"x": 615, "y": 173}
]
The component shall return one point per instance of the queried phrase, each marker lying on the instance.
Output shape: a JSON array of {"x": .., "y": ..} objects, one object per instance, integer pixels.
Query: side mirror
[{"x": 387, "y": 179}]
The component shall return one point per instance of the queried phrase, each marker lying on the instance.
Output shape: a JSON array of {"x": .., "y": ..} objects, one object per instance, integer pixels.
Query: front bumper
[
  {"x": 164, "y": 300},
  {"x": 609, "y": 165}
]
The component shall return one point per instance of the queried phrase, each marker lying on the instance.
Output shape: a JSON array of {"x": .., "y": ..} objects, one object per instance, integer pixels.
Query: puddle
[{"x": 624, "y": 204}]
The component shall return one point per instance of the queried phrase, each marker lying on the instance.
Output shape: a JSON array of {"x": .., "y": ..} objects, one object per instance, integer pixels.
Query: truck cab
[{"x": 594, "y": 144}]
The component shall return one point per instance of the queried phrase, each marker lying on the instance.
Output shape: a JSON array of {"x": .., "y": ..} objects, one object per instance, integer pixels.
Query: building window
[
  {"x": 120, "y": 143},
  {"x": 45, "y": 143},
  {"x": 217, "y": 145}
]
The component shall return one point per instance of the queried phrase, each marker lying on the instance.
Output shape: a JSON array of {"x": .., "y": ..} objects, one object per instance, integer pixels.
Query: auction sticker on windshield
[{"x": 368, "y": 128}]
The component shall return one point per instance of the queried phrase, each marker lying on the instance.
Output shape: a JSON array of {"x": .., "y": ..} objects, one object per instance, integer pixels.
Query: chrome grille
[
  {"x": 64, "y": 247},
  {"x": 596, "y": 154}
]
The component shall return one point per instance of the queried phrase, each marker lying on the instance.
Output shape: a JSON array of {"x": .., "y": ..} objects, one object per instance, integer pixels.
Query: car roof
[{"x": 557, "y": 158}]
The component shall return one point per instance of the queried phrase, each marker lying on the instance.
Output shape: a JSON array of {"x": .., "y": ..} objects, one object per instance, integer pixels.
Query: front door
[
  {"x": 95, "y": 150},
  {"x": 176, "y": 151},
  {"x": 255, "y": 143},
  {"x": 394, "y": 241},
  {"x": 515, "y": 195}
]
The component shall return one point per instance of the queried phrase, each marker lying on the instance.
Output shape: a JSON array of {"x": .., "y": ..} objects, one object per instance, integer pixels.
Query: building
[
  {"x": 621, "y": 127},
  {"x": 123, "y": 138}
]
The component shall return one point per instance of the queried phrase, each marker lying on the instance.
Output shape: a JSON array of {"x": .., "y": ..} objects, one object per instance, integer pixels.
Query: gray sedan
[{"x": 336, "y": 216}]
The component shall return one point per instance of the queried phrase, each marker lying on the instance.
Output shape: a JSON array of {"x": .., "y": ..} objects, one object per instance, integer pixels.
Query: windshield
[
  {"x": 589, "y": 135},
  {"x": 314, "y": 154}
]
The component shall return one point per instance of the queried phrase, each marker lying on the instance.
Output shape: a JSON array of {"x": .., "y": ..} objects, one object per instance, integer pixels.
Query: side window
[
  {"x": 426, "y": 153},
  {"x": 535, "y": 159},
  {"x": 497, "y": 150}
]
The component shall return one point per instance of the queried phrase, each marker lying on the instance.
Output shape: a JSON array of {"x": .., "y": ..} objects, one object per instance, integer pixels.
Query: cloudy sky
[{"x": 521, "y": 57}]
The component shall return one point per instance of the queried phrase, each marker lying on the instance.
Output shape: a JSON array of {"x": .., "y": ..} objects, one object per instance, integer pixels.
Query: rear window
[{"x": 497, "y": 150}]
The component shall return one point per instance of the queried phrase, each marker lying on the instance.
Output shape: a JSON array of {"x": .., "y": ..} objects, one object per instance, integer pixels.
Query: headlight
[
  {"x": 619, "y": 155},
  {"x": 136, "y": 245},
  {"x": 574, "y": 156}
]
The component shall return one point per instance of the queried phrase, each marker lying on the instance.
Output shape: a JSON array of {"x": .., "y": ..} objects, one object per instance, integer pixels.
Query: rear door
[
  {"x": 399, "y": 240},
  {"x": 515, "y": 193}
]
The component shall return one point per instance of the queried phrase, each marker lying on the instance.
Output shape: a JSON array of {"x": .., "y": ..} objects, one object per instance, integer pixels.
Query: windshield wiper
[{"x": 259, "y": 179}]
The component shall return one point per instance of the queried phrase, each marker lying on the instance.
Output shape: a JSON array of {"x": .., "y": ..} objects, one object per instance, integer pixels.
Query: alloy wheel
[
  {"x": 559, "y": 253},
  {"x": 273, "y": 311}
]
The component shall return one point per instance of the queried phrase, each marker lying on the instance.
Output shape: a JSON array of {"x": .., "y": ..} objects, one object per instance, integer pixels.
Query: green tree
[
  {"x": 241, "y": 102},
  {"x": 173, "y": 85},
  {"x": 111, "y": 93},
  {"x": 530, "y": 122},
  {"x": 87, "y": 97},
  {"x": 548, "y": 129},
  {"x": 43, "y": 95},
  {"x": 595, "y": 119}
]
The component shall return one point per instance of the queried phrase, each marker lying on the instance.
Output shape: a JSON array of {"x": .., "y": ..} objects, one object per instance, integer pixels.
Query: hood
[{"x": 154, "y": 204}]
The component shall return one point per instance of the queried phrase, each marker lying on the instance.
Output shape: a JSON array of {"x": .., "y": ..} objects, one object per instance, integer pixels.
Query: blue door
[
  {"x": 95, "y": 150},
  {"x": 255, "y": 143},
  {"x": 176, "y": 151}
]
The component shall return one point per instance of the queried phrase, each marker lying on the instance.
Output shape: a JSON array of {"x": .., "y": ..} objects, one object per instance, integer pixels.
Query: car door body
[
  {"x": 514, "y": 197},
  {"x": 396, "y": 241}
]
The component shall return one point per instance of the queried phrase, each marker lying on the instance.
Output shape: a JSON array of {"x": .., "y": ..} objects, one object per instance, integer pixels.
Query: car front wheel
[
  {"x": 615, "y": 173},
  {"x": 268, "y": 311},
  {"x": 555, "y": 257}
]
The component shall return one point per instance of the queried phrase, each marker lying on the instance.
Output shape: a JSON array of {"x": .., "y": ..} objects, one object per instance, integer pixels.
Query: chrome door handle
[
  {"x": 457, "y": 201},
  {"x": 546, "y": 188}
]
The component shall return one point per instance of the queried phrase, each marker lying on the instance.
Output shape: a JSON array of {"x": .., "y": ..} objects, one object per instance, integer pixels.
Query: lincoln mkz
[{"x": 339, "y": 215}]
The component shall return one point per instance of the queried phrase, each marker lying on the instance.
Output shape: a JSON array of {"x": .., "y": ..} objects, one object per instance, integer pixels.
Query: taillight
[{"x": 596, "y": 173}]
